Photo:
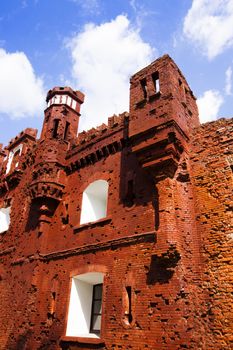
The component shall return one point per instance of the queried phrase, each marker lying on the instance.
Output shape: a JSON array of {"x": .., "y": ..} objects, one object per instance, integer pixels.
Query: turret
[
  {"x": 163, "y": 112},
  {"x": 62, "y": 114},
  {"x": 159, "y": 93}
]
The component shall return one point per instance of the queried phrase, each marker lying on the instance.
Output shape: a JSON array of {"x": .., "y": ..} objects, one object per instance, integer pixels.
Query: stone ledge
[
  {"x": 112, "y": 244},
  {"x": 82, "y": 340},
  {"x": 149, "y": 237}
]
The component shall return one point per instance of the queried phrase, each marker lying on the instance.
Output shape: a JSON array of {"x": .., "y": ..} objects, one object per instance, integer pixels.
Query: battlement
[
  {"x": 26, "y": 133},
  {"x": 113, "y": 122}
]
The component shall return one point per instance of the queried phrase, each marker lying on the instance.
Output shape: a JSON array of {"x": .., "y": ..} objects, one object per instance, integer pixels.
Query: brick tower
[
  {"x": 62, "y": 114},
  {"x": 163, "y": 112},
  {"x": 59, "y": 132},
  {"x": 159, "y": 94}
]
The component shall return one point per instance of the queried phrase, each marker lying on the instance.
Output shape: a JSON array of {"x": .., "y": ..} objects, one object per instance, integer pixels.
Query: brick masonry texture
[{"x": 167, "y": 235}]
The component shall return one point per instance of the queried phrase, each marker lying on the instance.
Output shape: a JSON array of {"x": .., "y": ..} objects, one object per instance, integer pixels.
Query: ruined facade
[{"x": 120, "y": 237}]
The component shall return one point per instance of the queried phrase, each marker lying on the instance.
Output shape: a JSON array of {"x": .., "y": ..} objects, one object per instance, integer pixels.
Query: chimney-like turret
[{"x": 62, "y": 114}]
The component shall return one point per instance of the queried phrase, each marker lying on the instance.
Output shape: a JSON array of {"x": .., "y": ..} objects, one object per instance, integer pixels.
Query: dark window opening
[
  {"x": 144, "y": 87},
  {"x": 55, "y": 128},
  {"x": 66, "y": 130},
  {"x": 128, "y": 309},
  {"x": 96, "y": 309},
  {"x": 155, "y": 79},
  {"x": 51, "y": 313}
]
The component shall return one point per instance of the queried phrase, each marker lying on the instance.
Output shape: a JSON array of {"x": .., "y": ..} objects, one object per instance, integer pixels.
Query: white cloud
[
  {"x": 21, "y": 92},
  {"x": 209, "y": 104},
  {"x": 209, "y": 24},
  {"x": 228, "y": 85},
  {"x": 104, "y": 56}
]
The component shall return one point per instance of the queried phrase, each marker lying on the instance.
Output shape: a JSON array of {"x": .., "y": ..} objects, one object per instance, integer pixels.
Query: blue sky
[{"x": 96, "y": 45}]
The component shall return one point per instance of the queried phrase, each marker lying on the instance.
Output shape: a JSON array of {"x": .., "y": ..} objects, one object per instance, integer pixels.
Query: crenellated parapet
[
  {"x": 98, "y": 143},
  {"x": 94, "y": 133}
]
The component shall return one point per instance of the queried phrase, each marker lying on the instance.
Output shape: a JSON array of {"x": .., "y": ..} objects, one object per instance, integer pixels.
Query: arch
[{"x": 94, "y": 202}]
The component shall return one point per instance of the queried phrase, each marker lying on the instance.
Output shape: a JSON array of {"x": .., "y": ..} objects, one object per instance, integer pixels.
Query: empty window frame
[
  {"x": 16, "y": 152},
  {"x": 94, "y": 202},
  {"x": 144, "y": 87},
  {"x": 155, "y": 79},
  {"x": 85, "y": 307},
  {"x": 4, "y": 219}
]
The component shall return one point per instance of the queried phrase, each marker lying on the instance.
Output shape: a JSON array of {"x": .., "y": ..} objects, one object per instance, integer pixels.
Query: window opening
[
  {"x": 66, "y": 130},
  {"x": 11, "y": 157},
  {"x": 15, "y": 161},
  {"x": 128, "y": 309},
  {"x": 96, "y": 311},
  {"x": 4, "y": 219},
  {"x": 155, "y": 78},
  {"x": 94, "y": 202},
  {"x": 85, "y": 305},
  {"x": 51, "y": 313},
  {"x": 144, "y": 87},
  {"x": 55, "y": 128}
]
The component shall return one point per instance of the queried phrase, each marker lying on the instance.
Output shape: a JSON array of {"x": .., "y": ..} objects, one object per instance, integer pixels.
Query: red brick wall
[
  {"x": 212, "y": 165},
  {"x": 168, "y": 238}
]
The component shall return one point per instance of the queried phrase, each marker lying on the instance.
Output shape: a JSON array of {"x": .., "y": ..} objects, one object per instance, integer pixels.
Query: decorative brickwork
[{"x": 163, "y": 248}]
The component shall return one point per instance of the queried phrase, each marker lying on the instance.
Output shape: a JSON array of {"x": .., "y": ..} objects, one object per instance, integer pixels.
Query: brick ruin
[{"x": 120, "y": 237}]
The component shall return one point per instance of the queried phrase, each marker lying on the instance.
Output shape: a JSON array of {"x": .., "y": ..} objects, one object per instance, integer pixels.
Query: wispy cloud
[
  {"x": 209, "y": 24},
  {"x": 228, "y": 84},
  {"x": 141, "y": 12},
  {"x": 104, "y": 56},
  {"x": 209, "y": 105},
  {"x": 89, "y": 6},
  {"x": 21, "y": 91}
]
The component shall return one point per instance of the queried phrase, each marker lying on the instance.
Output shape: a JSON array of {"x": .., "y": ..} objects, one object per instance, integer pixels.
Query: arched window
[
  {"x": 16, "y": 152},
  {"x": 85, "y": 307},
  {"x": 94, "y": 202},
  {"x": 4, "y": 219}
]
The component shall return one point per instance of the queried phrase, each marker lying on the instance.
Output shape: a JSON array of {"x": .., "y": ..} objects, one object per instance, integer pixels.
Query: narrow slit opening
[
  {"x": 55, "y": 128},
  {"x": 66, "y": 130},
  {"x": 144, "y": 87},
  {"x": 155, "y": 79},
  {"x": 128, "y": 310}
]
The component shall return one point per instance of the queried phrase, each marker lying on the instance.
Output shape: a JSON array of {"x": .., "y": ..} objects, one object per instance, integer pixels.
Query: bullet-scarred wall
[{"x": 160, "y": 252}]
